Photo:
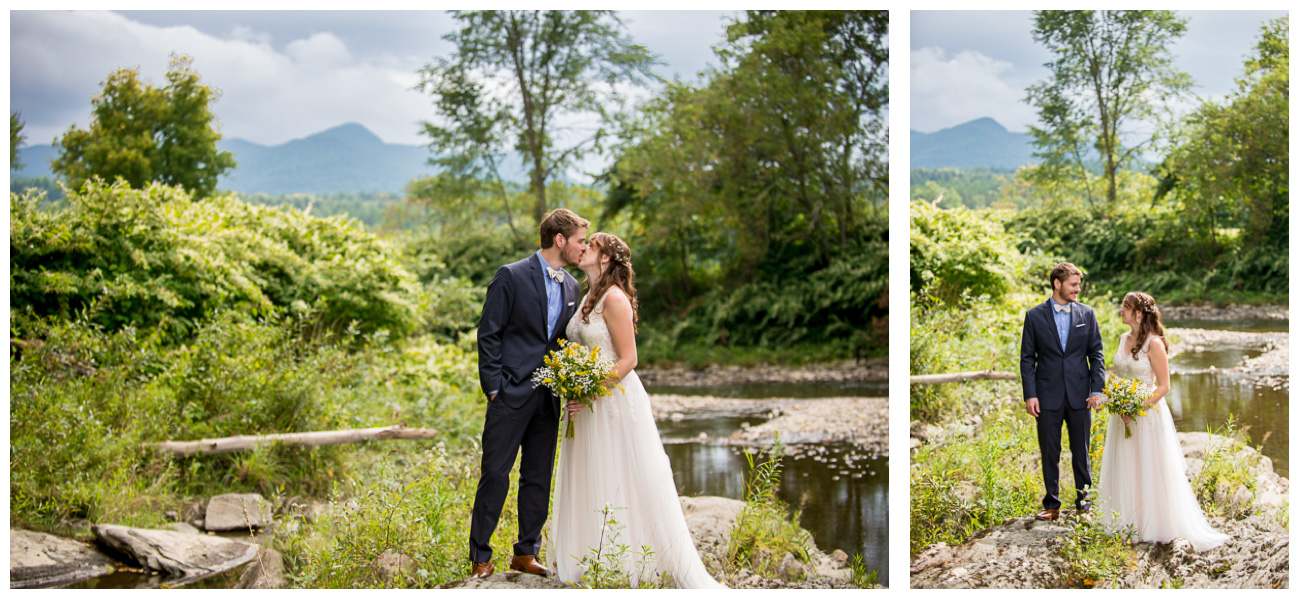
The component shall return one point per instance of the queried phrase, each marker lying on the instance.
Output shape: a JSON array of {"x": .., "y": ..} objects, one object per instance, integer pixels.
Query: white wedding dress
[
  {"x": 616, "y": 459},
  {"x": 1144, "y": 478}
]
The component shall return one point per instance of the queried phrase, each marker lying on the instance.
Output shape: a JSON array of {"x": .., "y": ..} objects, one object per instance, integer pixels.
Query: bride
[
  {"x": 1144, "y": 477},
  {"x": 615, "y": 459}
]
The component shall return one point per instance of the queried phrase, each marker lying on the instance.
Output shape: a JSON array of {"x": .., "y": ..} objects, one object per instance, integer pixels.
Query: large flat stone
[
  {"x": 230, "y": 512},
  {"x": 40, "y": 559},
  {"x": 176, "y": 553}
]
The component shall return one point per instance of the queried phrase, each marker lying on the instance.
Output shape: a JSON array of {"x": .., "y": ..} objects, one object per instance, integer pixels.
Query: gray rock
[
  {"x": 710, "y": 520},
  {"x": 185, "y": 528},
  {"x": 180, "y": 554},
  {"x": 265, "y": 572},
  {"x": 511, "y": 580},
  {"x": 839, "y": 558},
  {"x": 40, "y": 559},
  {"x": 229, "y": 512},
  {"x": 391, "y": 566}
]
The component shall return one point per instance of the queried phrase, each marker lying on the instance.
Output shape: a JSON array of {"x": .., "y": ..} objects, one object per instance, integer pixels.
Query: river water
[
  {"x": 1202, "y": 399},
  {"x": 842, "y": 489}
]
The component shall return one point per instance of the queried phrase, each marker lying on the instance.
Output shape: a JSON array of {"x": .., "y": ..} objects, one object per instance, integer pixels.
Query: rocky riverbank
[
  {"x": 1230, "y": 312},
  {"x": 876, "y": 369},
  {"x": 1024, "y": 553},
  {"x": 1271, "y": 368},
  {"x": 863, "y": 422},
  {"x": 711, "y": 520}
]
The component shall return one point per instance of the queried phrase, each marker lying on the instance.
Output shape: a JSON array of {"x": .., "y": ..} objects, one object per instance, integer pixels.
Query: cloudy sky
[
  {"x": 282, "y": 74},
  {"x": 971, "y": 64}
]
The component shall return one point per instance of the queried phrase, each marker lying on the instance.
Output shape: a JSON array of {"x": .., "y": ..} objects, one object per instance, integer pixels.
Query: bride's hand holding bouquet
[
  {"x": 577, "y": 376},
  {"x": 1128, "y": 399}
]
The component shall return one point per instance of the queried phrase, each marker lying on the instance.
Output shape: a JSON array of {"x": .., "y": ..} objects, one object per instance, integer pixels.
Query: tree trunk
[
  {"x": 960, "y": 377},
  {"x": 309, "y": 438}
]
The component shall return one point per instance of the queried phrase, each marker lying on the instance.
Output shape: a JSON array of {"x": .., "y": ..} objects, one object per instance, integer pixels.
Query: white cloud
[
  {"x": 59, "y": 58},
  {"x": 949, "y": 90}
]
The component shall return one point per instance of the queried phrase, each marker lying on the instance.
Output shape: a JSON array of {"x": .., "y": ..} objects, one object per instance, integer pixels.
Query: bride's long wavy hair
[
  {"x": 617, "y": 272},
  {"x": 1149, "y": 325}
]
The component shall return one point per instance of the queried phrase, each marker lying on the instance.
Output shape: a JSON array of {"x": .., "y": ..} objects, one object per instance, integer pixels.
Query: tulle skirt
[
  {"x": 1144, "y": 480},
  {"x": 617, "y": 460}
]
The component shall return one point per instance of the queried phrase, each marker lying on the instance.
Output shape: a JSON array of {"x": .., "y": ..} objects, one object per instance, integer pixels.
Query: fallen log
[
  {"x": 310, "y": 438},
  {"x": 960, "y": 377}
]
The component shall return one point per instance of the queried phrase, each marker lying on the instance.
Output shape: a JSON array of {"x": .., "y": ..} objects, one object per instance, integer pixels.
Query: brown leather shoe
[
  {"x": 1048, "y": 514},
  {"x": 482, "y": 570},
  {"x": 528, "y": 564}
]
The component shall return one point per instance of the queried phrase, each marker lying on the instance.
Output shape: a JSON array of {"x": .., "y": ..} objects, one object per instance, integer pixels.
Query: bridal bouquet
[
  {"x": 575, "y": 373},
  {"x": 1127, "y": 398}
]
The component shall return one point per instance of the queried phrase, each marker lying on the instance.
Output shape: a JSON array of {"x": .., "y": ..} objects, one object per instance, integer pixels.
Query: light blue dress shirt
[
  {"x": 554, "y": 297},
  {"x": 1062, "y": 323}
]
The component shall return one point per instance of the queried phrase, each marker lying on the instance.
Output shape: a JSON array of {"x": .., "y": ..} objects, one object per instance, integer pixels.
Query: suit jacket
[
  {"x": 512, "y": 338},
  {"x": 1055, "y": 377}
]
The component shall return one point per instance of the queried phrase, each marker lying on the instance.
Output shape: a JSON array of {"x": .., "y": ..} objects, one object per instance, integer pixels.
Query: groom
[
  {"x": 1060, "y": 362},
  {"x": 528, "y": 304}
]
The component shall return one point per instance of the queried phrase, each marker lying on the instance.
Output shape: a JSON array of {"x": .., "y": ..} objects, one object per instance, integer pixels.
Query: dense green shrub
[
  {"x": 956, "y": 253},
  {"x": 157, "y": 258}
]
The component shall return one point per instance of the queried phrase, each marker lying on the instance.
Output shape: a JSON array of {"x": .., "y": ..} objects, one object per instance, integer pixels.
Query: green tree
[
  {"x": 775, "y": 156},
  {"x": 1112, "y": 70},
  {"x": 1233, "y": 167},
  {"x": 519, "y": 79},
  {"x": 16, "y": 139},
  {"x": 146, "y": 134}
]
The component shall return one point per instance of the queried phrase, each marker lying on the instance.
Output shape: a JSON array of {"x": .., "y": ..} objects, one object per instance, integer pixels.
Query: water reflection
[{"x": 844, "y": 507}]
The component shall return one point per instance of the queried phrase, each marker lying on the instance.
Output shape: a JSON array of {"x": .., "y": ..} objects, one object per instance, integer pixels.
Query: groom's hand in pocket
[{"x": 1031, "y": 407}]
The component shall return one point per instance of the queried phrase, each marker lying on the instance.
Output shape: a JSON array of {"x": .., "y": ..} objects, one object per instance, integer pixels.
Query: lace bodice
[
  {"x": 1127, "y": 366},
  {"x": 595, "y": 333}
]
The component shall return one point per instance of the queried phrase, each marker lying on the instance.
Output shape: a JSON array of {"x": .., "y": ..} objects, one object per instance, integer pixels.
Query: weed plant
[{"x": 765, "y": 531}]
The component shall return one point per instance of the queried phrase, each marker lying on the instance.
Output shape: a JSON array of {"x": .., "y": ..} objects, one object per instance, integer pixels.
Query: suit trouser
[
  {"x": 533, "y": 428},
  {"x": 1078, "y": 423}
]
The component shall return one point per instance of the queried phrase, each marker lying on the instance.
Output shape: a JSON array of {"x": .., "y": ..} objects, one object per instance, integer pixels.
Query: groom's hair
[
  {"x": 562, "y": 221},
  {"x": 1063, "y": 271}
]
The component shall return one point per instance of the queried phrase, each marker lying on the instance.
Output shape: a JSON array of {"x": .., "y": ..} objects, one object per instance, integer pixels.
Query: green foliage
[
  {"x": 16, "y": 139},
  {"x": 972, "y": 188},
  {"x": 956, "y": 253},
  {"x": 375, "y": 211},
  {"x": 1112, "y": 71},
  {"x": 861, "y": 577},
  {"x": 1232, "y": 167},
  {"x": 412, "y": 504},
  {"x": 764, "y": 532},
  {"x": 1151, "y": 248},
  {"x": 145, "y": 134},
  {"x": 552, "y": 65},
  {"x": 611, "y": 565},
  {"x": 83, "y": 400},
  {"x": 1095, "y": 553},
  {"x": 157, "y": 258},
  {"x": 1224, "y": 471}
]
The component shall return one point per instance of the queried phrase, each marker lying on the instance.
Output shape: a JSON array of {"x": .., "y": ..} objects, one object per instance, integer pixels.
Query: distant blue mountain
[
  {"x": 979, "y": 143},
  {"x": 347, "y": 158}
]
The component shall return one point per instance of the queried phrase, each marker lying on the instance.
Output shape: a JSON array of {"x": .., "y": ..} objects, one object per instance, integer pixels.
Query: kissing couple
[
  {"x": 615, "y": 458},
  {"x": 1062, "y": 367}
]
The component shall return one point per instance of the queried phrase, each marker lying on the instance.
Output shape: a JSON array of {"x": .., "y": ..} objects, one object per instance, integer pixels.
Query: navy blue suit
[
  {"x": 1062, "y": 380},
  {"x": 512, "y": 341}
]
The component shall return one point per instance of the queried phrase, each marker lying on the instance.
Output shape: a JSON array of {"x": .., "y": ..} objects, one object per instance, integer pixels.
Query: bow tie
[
  {"x": 1061, "y": 309},
  {"x": 556, "y": 274}
]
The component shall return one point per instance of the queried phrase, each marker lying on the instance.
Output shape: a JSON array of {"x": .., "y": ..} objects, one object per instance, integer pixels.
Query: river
[
  {"x": 1202, "y": 398},
  {"x": 843, "y": 489}
]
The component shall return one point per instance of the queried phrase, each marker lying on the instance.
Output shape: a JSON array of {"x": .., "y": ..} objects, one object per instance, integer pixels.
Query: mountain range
[
  {"x": 347, "y": 158},
  {"x": 979, "y": 143}
]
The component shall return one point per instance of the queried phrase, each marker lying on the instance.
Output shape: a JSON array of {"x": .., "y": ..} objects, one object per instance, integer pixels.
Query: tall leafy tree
[
  {"x": 776, "y": 156},
  {"x": 1112, "y": 72},
  {"x": 1233, "y": 165},
  {"x": 16, "y": 139},
  {"x": 144, "y": 134},
  {"x": 520, "y": 80}
]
